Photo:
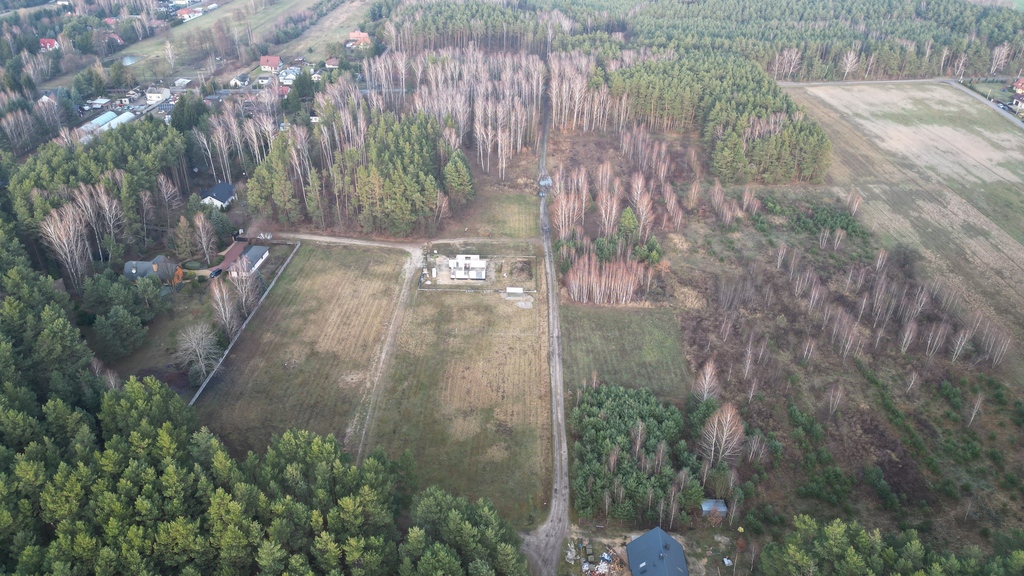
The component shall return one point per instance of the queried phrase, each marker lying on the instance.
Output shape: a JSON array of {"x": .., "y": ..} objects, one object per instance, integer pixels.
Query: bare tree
[
  {"x": 169, "y": 197},
  {"x": 706, "y": 385},
  {"x": 912, "y": 380},
  {"x": 169, "y": 52},
  {"x": 976, "y": 408},
  {"x": 639, "y": 434},
  {"x": 960, "y": 340},
  {"x": 848, "y": 62},
  {"x": 853, "y": 202},
  {"x": 197, "y": 348},
  {"x": 1000, "y": 56},
  {"x": 205, "y": 236},
  {"x": 907, "y": 335},
  {"x": 248, "y": 284},
  {"x": 835, "y": 397},
  {"x": 722, "y": 438},
  {"x": 63, "y": 230},
  {"x": 225, "y": 308}
]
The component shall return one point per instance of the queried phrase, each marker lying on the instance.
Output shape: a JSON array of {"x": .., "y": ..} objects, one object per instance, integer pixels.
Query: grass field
[
  {"x": 631, "y": 347},
  {"x": 939, "y": 171},
  {"x": 502, "y": 208},
  {"x": 304, "y": 359},
  {"x": 468, "y": 394}
]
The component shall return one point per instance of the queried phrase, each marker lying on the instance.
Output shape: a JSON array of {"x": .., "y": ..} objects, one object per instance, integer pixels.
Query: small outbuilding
[
  {"x": 711, "y": 507},
  {"x": 656, "y": 554},
  {"x": 219, "y": 196}
]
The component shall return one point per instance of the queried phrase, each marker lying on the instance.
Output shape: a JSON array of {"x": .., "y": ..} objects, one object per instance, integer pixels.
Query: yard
[
  {"x": 306, "y": 357},
  {"x": 468, "y": 393}
]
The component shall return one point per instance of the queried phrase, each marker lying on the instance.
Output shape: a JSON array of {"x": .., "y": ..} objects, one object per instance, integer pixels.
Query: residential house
[
  {"x": 219, "y": 196},
  {"x": 282, "y": 91},
  {"x": 358, "y": 39},
  {"x": 256, "y": 255},
  {"x": 156, "y": 95},
  {"x": 270, "y": 63},
  {"x": 655, "y": 553},
  {"x": 187, "y": 14},
  {"x": 331, "y": 63},
  {"x": 1018, "y": 86},
  {"x": 162, "y": 267},
  {"x": 287, "y": 77},
  {"x": 47, "y": 44},
  {"x": 317, "y": 76},
  {"x": 263, "y": 80},
  {"x": 115, "y": 39},
  {"x": 240, "y": 81},
  {"x": 467, "y": 267},
  {"x": 110, "y": 22}
]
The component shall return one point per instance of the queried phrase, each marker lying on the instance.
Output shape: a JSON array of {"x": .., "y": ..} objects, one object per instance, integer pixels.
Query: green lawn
[{"x": 631, "y": 347}]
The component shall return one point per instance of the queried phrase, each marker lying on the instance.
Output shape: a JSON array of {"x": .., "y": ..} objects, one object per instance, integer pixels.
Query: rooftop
[
  {"x": 222, "y": 192},
  {"x": 655, "y": 554}
]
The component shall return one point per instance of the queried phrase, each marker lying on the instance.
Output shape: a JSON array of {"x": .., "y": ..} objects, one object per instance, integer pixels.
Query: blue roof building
[{"x": 656, "y": 554}]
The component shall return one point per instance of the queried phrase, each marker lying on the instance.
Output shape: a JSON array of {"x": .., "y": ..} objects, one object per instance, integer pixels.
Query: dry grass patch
[
  {"x": 305, "y": 358},
  {"x": 469, "y": 394},
  {"x": 935, "y": 168}
]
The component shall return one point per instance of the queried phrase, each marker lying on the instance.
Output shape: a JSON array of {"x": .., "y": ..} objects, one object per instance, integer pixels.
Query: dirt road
[{"x": 543, "y": 546}]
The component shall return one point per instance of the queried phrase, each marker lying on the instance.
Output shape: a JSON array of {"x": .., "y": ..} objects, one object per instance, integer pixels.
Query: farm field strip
[
  {"x": 947, "y": 217},
  {"x": 305, "y": 358},
  {"x": 468, "y": 394}
]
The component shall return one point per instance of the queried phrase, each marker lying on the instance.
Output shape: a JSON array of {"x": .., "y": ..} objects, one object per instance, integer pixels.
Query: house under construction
[{"x": 467, "y": 267}]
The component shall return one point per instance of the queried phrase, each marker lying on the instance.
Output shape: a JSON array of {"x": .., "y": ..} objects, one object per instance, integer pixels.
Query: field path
[{"x": 543, "y": 546}]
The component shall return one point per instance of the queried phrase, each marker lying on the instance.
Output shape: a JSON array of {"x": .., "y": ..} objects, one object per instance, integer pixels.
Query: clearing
[
  {"x": 305, "y": 359},
  {"x": 468, "y": 394},
  {"x": 627, "y": 346},
  {"x": 939, "y": 171}
]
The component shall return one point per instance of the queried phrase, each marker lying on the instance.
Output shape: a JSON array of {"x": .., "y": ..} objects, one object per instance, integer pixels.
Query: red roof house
[
  {"x": 331, "y": 63},
  {"x": 47, "y": 44},
  {"x": 270, "y": 63},
  {"x": 1018, "y": 86},
  {"x": 358, "y": 39}
]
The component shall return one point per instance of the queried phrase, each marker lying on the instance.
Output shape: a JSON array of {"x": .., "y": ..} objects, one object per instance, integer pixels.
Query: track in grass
[{"x": 305, "y": 358}]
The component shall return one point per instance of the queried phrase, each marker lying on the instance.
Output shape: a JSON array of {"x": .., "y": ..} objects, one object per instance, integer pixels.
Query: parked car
[{"x": 215, "y": 272}]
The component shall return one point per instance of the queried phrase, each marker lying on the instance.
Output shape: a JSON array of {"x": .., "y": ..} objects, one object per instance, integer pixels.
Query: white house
[
  {"x": 156, "y": 95},
  {"x": 270, "y": 63},
  {"x": 467, "y": 267},
  {"x": 256, "y": 255},
  {"x": 240, "y": 81},
  {"x": 219, "y": 196}
]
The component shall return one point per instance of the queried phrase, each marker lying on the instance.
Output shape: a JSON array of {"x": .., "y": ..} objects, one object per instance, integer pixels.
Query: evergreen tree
[{"x": 118, "y": 333}]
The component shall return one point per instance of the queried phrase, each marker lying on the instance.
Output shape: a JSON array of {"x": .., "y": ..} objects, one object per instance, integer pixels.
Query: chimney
[{"x": 133, "y": 270}]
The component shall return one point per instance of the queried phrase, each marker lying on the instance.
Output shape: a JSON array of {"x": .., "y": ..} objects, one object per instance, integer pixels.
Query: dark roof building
[
  {"x": 220, "y": 195},
  {"x": 656, "y": 554},
  {"x": 161, "y": 266}
]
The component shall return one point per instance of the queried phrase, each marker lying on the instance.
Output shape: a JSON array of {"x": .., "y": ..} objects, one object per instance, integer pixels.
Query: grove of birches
[{"x": 110, "y": 476}]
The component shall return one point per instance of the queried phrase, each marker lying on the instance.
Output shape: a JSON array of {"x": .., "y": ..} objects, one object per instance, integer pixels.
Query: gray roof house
[
  {"x": 256, "y": 256},
  {"x": 220, "y": 195},
  {"x": 656, "y": 554},
  {"x": 161, "y": 266}
]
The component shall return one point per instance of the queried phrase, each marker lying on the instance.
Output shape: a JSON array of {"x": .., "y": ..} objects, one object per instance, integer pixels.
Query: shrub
[{"x": 192, "y": 265}]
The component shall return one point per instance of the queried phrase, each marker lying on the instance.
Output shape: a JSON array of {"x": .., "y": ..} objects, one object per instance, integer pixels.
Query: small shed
[
  {"x": 712, "y": 506},
  {"x": 221, "y": 195},
  {"x": 182, "y": 82},
  {"x": 656, "y": 554}
]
